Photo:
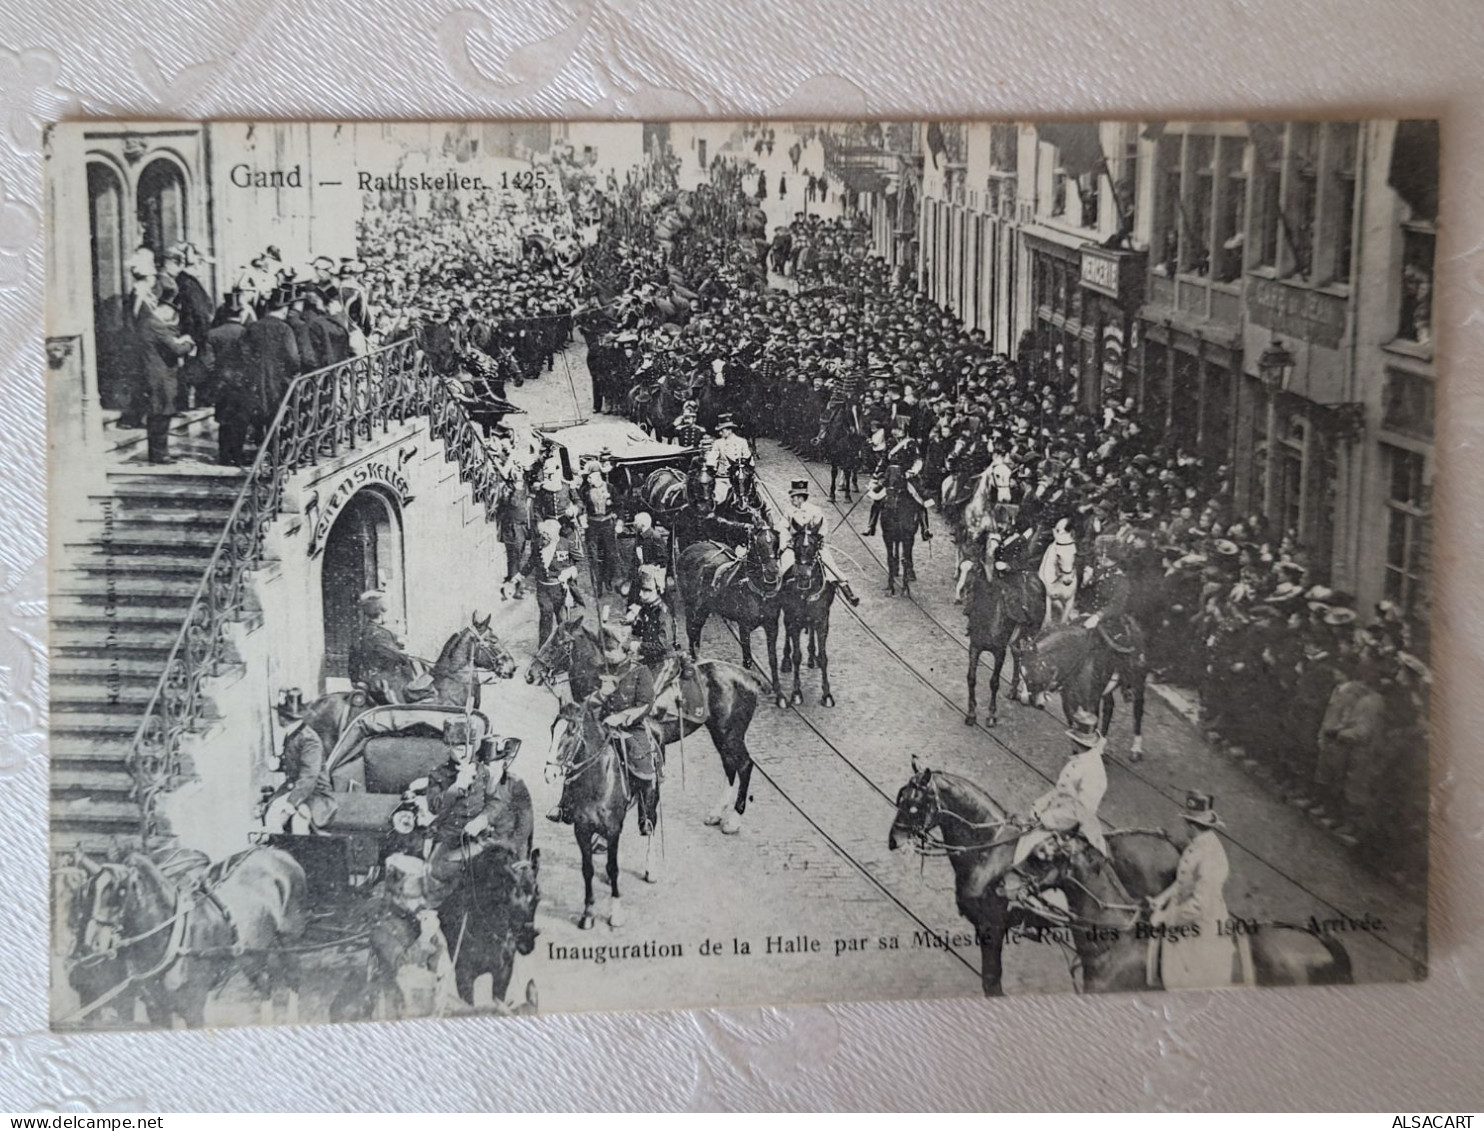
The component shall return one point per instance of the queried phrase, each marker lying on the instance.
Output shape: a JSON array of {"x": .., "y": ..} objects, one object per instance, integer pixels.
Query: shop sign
[
  {"x": 374, "y": 473},
  {"x": 1296, "y": 312},
  {"x": 1111, "y": 273}
]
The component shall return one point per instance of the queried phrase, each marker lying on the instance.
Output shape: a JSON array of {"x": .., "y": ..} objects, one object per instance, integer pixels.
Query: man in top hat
[
  {"x": 161, "y": 349},
  {"x": 189, "y": 297},
  {"x": 1199, "y": 958},
  {"x": 272, "y": 355},
  {"x": 377, "y": 660},
  {"x": 1071, "y": 804},
  {"x": 805, "y": 520},
  {"x": 230, "y": 386},
  {"x": 728, "y": 453}
]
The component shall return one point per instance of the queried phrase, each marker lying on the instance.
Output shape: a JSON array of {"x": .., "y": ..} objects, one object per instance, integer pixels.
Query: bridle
[{"x": 928, "y": 845}]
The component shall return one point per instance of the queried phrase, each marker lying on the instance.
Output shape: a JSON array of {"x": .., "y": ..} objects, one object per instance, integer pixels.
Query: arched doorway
[
  {"x": 362, "y": 551},
  {"x": 162, "y": 205},
  {"x": 109, "y": 249}
]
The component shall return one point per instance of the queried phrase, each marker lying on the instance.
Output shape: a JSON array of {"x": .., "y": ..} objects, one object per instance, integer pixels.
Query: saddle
[
  {"x": 684, "y": 697},
  {"x": 1243, "y": 973}
]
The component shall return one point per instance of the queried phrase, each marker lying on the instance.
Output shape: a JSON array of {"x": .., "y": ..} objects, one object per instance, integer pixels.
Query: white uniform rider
[
  {"x": 727, "y": 452},
  {"x": 804, "y": 517}
]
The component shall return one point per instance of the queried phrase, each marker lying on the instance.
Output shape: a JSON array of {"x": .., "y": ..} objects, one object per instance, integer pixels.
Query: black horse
[
  {"x": 902, "y": 516},
  {"x": 979, "y": 838},
  {"x": 731, "y": 696},
  {"x": 843, "y": 443},
  {"x": 1001, "y": 606},
  {"x": 745, "y": 591},
  {"x": 807, "y": 596},
  {"x": 1087, "y": 666}
]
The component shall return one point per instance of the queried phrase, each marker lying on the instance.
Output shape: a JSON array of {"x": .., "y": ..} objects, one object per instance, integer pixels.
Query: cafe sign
[
  {"x": 376, "y": 473},
  {"x": 1296, "y": 312}
]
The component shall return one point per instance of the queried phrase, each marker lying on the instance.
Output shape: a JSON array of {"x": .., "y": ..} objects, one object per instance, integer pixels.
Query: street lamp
[{"x": 1275, "y": 365}]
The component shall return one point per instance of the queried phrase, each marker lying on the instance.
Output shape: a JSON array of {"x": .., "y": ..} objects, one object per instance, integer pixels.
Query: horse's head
[
  {"x": 489, "y": 654},
  {"x": 807, "y": 545},
  {"x": 102, "y": 912},
  {"x": 917, "y": 809},
  {"x": 554, "y": 657},
  {"x": 577, "y": 728},
  {"x": 762, "y": 552},
  {"x": 1037, "y": 667}
]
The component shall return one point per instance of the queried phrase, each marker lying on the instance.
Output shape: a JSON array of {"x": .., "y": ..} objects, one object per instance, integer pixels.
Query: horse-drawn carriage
[
  {"x": 633, "y": 452},
  {"x": 339, "y": 911}
]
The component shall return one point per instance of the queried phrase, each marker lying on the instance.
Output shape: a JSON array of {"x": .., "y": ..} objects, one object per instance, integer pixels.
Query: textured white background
[{"x": 1387, "y": 1047}]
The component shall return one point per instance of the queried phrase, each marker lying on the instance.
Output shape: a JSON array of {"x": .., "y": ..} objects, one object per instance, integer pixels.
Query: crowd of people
[
  {"x": 1324, "y": 698},
  {"x": 695, "y": 316}
]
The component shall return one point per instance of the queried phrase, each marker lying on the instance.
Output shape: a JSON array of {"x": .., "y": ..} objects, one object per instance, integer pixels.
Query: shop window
[
  {"x": 1288, "y": 497},
  {"x": 1419, "y": 241},
  {"x": 1406, "y": 527}
]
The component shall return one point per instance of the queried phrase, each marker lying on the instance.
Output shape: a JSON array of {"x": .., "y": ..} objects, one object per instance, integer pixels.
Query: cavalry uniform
[
  {"x": 553, "y": 566},
  {"x": 1196, "y": 899},
  {"x": 632, "y": 701},
  {"x": 1071, "y": 805},
  {"x": 652, "y": 629},
  {"x": 688, "y": 432}
]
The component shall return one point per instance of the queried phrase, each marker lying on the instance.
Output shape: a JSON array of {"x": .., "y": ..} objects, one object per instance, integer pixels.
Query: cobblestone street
[{"x": 811, "y": 866}]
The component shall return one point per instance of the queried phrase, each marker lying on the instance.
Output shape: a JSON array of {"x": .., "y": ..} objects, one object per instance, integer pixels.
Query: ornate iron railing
[{"x": 323, "y": 415}]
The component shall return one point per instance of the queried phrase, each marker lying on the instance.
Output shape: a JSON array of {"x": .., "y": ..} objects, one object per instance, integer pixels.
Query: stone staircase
[{"x": 117, "y": 605}]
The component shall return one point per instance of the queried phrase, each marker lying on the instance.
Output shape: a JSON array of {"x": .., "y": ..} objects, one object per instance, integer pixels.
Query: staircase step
[
  {"x": 68, "y": 608},
  {"x": 169, "y": 494},
  {"x": 105, "y": 784},
  {"x": 189, "y": 523},
  {"x": 88, "y": 669},
  {"x": 99, "y": 695},
  {"x": 130, "y": 588},
  {"x": 89, "y": 814},
  {"x": 82, "y": 753},
  {"x": 138, "y": 562},
  {"x": 164, "y": 539},
  {"x": 149, "y": 649},
  {"x": 108, "y": 725}
]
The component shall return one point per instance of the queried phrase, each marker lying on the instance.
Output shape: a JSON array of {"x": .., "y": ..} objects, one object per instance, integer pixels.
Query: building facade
[{"x": 1260, "y": 291}]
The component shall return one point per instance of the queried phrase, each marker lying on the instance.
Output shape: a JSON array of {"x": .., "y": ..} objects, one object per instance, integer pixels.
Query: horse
[
  {"x": 1087, "y": 666},
  {"x": 598, "y": 790},
  {"x": 746, "y": 592},
  {"x": 1001, "y": 607},
  {"x": 1105, "y": 921},
  {"x": 901, "y": 518},
  {"x": 688, "y": 508},
  {"x": 175, "y": 945},
  {"x": 807, "y": 596},
  {"x": 490, "y": 917},
  {"x": 452, "y": 680},
  {"x": 731, "y": 698},
  {"x": 842, "y": 442},
  {"x": 979, "y": 838}
]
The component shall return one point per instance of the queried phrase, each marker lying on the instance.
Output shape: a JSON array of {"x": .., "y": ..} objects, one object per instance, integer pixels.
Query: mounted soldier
[
  {"x": 650, "y": 622},
  {"x": 1197, "y": 898},
  {"x": 378, "y": 660},
  {"x": 1105, "y": 592},
  {"x": 805, "y": 520},
  {"x": 902, "y": 451},
  {"x": 1071, "y": 805},
  {"x": 728, "y": 454}
]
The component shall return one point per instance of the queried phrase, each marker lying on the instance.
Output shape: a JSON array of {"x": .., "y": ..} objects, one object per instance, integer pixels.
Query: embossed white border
[{"x": 1383, "y": 1047}]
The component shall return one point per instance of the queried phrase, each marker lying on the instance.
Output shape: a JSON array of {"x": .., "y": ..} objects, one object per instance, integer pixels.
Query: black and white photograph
[{"x": 547, "y": 567}]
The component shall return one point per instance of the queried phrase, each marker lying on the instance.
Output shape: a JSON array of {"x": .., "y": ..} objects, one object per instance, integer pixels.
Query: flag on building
[{"x": 1078, "y": 143}]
